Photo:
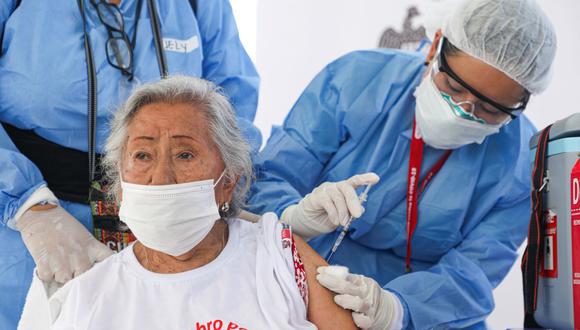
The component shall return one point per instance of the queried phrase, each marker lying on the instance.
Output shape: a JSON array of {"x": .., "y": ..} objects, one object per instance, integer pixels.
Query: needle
[{"x": 362, "y": 198}]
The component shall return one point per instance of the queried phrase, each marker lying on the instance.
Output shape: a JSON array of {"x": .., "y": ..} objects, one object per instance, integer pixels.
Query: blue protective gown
[
  {"x": 43, "y": 86},
  {"x": 356, "y": 116}
]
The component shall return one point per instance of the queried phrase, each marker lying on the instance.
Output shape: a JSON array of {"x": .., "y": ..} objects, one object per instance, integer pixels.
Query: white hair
[{"x": 203, "y": 96}]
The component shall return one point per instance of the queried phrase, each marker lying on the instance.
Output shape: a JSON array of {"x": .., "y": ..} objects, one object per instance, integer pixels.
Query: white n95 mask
[
  {"x": 438, "y": 124},
  {"x": 170, "y": 218}
]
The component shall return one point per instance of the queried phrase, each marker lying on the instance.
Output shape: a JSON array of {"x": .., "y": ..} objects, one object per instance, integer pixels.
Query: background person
[
  {"x": 358, "y": 115},
  {"x": 43, "y": 105}
]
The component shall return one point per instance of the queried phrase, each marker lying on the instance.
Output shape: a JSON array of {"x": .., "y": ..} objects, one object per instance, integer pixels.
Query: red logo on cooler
[{"x": 575, "y": 229}]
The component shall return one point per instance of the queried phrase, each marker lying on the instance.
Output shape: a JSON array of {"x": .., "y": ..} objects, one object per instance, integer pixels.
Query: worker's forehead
[{"x": 486, "y": 79}]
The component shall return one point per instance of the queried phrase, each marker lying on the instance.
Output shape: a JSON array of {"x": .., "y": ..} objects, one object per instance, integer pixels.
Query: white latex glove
[
  {"x": 329, "y": 205},
  {"x": 373, "y": 308},
  {"x": 61, "y": 247}
]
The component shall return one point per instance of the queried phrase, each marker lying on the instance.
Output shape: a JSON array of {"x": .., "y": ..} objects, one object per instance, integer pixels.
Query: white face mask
[
  {"x": 438, "y": 124},
  {"x": 170, "y": 218}
]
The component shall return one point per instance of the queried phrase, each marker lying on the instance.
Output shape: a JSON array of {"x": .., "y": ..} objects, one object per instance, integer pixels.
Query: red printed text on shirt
[{"x": 218, "y": 325}]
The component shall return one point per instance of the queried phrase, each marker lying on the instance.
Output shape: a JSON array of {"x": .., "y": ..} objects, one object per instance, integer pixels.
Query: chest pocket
[
  {"x": 443, "y": 209},
  {"x": 182, "y": 40},
  {"x": 438, "y": 231}
]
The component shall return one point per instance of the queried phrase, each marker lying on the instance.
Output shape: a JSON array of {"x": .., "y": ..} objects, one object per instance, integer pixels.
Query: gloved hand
[
  {"x": 329, "y": 205},
  {"x": 61, "y": 247},
  {"x": 373, "y": 308}
]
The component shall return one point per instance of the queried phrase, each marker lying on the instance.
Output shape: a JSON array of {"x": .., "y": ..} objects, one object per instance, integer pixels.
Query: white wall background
[{"x": 290, "y": 41}]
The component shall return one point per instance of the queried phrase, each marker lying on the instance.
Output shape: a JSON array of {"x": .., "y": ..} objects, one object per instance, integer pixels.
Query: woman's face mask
[{"x": 173, "y": 218}]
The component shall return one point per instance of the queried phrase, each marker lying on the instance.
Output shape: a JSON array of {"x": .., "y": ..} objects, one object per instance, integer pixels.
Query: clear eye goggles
[{"x": 455, "y": 91}]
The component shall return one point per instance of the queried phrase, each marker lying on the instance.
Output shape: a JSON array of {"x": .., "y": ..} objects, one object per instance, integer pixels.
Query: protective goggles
[{"x": 486, "y": 109}]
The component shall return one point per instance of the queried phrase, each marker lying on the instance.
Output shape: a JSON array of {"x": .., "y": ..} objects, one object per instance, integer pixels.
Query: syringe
[{"x": 362, "y": 198}]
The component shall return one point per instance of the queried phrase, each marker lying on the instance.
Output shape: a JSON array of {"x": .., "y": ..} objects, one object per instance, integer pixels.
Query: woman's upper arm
[{"x": 322, "y": 311}]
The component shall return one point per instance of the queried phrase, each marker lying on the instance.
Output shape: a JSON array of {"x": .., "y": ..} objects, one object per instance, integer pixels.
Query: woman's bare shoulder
[{"x": 322, "y": 311}]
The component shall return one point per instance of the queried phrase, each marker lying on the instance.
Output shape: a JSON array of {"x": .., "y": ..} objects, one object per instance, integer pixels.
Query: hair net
[{"x": 514, "y": 36}]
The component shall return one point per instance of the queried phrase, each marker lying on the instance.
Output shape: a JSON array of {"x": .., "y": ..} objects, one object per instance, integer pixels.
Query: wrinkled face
[{"x": 169, "y": 144}]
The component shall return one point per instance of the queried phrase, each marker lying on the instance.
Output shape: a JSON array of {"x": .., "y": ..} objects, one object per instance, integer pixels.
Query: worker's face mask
[
  {"x": 170, "y": 218},
  {"x": 439, "y": 125}
]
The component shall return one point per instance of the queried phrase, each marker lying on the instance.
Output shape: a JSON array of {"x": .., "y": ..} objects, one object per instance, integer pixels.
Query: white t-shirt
[{"x": 250, "y": 285}]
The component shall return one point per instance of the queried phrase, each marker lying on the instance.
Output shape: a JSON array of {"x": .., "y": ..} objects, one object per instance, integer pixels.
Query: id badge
[{"x": 108, "y": 228}]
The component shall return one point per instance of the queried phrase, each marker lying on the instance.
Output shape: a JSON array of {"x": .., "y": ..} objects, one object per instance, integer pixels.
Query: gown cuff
[
  {"x": 400, "y": 319},
  {"x": 41, "y": 194},
  {"x": 398, "y": 312}
]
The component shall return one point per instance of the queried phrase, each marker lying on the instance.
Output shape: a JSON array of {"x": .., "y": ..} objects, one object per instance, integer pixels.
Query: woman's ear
[
  {"x": 229, "y": 185},
  {"x": 434, "y": 46},
  {"x": 227, "y": 188}
]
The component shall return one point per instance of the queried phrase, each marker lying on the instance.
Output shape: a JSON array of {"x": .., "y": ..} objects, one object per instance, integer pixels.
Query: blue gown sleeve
[
  {"x": 290, "y": 164},
  {"x": 6, "y": 8},
  {"x": 226, "y": 63},
  {"x": 466, "y": 275},
  {"x": 348, "y": 95},
  {"x": 20, "y": 177}
]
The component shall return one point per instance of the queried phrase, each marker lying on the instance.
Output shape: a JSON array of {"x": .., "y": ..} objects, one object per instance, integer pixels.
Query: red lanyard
[{"x": 415, "y": 160}]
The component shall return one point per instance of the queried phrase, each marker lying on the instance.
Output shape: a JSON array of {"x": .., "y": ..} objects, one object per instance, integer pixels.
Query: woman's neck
[{"x": 202, "y": 254}]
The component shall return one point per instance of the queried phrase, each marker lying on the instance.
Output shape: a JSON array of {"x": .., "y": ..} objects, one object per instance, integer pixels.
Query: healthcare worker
[
  {"x": 447, "y": 138},
  {"x": 43, "y": 106}
]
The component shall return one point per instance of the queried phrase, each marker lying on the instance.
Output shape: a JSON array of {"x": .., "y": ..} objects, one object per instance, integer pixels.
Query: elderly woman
[{"x": 180, "y": 167}]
